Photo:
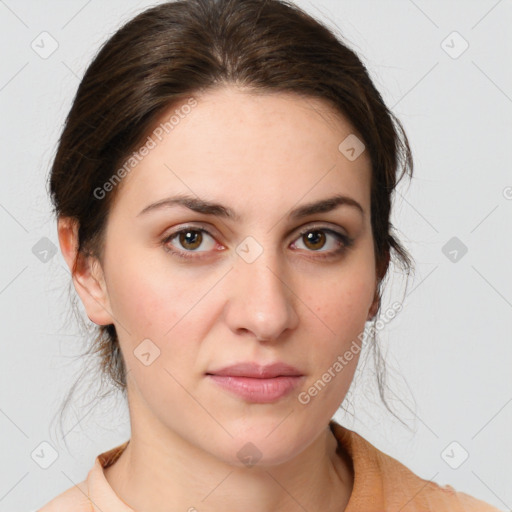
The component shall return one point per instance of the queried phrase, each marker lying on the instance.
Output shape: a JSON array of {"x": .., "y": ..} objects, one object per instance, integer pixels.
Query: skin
[{"x": 261, "y": 155}]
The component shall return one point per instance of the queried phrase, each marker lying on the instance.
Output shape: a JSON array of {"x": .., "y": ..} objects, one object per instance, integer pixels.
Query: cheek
[
  {"x": 147, "y": 305},
  {"x": 336, "y": 331},
  {"x": 342, "y": 320},
  {"x": 162, "y": 338},
  {"x": 342, "y": 306},
  {"x": 145, "y": 296}
]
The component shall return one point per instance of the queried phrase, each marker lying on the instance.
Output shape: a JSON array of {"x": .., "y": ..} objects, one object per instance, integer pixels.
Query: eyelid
[
  {"x": 199, "y": 227},
  {"x": 310, "y": 226}
]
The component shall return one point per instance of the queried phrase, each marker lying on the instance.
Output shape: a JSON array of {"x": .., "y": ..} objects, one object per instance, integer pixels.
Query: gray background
[{"x": 449, "y": 350}]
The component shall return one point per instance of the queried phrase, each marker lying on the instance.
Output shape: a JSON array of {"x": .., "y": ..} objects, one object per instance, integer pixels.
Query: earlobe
[
  {"x": 375, "y": 306},
  {"x": 381, "y": 272},
  {"x": 88, "y": 278}
]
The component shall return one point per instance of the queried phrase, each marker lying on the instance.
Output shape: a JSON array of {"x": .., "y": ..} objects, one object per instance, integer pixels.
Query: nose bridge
[{"x": 263, "y": 301}]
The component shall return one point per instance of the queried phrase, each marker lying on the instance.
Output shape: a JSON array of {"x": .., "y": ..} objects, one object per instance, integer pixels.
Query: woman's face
[{"x": 265, "y": 285}]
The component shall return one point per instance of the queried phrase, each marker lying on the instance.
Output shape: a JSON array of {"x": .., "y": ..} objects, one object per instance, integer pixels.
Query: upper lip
[{"x": 258, "y": 371}]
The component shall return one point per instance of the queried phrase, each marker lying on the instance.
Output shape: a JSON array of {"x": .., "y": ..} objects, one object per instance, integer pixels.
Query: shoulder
[
  {"x": 443, "y": 498},
  {"x": 95, "y": 486},
  {"x": 74, "y": 498},
  {"x": 466, "y": 503},
  {"x": 382, "y": 482},
  {"x": 412, "y": 491}
]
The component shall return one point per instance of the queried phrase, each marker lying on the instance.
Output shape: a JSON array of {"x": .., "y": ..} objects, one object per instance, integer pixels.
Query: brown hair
[{"x": 171, "y": 51}]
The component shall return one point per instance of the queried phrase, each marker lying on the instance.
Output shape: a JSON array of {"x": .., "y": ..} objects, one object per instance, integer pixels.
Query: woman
[{"x": 223, "y": 189}]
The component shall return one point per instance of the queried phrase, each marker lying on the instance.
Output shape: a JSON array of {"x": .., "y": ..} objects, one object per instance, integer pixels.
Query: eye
[
  {"x": 189, "y": 238},
  {"x": 186, "y": 241},
  {"x": 315, "y": 238}
]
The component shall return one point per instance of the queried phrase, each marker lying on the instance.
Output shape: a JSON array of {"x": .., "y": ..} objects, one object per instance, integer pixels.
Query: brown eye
[
  {"x": 190, "y": 239},
  {"x": 314, "y": 239}
]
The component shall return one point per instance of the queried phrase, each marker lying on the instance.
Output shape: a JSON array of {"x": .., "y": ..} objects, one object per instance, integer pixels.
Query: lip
[
  {"x": 258, "y": 383},
  {"x": 257, "y": 371}
]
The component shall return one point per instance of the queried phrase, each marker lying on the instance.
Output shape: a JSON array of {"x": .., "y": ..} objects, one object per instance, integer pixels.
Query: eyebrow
[{"x": 203, "y": 206}]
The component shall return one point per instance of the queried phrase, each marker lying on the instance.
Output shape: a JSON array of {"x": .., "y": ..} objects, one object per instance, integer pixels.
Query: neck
[{"x": 152, "y": 474}]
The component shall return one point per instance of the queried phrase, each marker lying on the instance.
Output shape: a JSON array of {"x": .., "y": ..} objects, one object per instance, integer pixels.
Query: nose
[{"x": 262, "y": 302}]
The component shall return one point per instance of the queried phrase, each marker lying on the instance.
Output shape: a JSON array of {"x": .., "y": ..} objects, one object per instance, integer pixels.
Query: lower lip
[{"x": 258, "y": 390}]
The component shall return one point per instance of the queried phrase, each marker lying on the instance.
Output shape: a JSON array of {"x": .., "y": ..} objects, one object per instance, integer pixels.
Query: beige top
[{"x": 381, "y": 483}]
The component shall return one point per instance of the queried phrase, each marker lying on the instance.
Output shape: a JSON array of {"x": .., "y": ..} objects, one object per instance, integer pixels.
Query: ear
[
  {"x": 381, "y": 272},
  {"x": 88, "y": 279},
  {"x": 374, "y": 307}
]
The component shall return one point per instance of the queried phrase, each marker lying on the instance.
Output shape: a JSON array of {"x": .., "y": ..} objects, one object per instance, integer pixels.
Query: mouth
[{"x": 258, "y": 383}]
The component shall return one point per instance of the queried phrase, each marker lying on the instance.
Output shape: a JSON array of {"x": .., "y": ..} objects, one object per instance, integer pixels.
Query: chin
[
  {"x": 251, "y": 455},
  {"x": 257, "y": 443}
]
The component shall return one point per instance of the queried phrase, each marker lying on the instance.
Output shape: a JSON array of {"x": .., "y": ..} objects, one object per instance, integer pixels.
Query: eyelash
[{"x": 345, "y": 240}]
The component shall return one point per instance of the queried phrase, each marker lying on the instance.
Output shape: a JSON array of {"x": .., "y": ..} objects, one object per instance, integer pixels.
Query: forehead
[{"x": 248, "y": 149}]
